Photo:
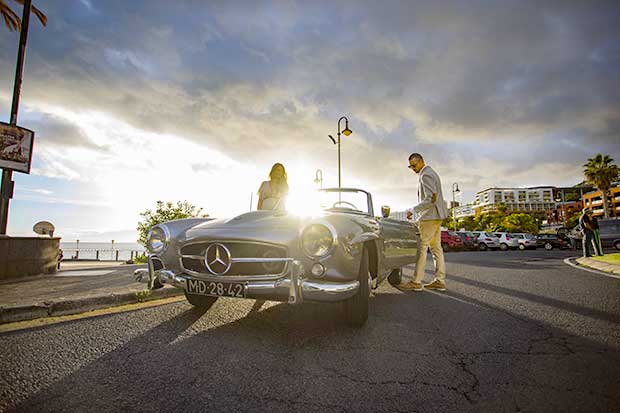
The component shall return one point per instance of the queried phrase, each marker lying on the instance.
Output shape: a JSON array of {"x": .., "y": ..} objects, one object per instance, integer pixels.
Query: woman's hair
[
  {"x": 273, "y": 168},
  {"x": 284, "y": 182}
]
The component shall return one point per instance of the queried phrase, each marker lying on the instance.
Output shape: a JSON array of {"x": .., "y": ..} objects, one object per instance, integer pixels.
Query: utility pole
[{"x": 6, "y": 189}]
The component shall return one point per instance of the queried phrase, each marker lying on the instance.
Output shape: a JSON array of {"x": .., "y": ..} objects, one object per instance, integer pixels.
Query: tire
[
  {"x": 396, "y": 277},
  {"x": 445, "y": 246},
  {"x": 548, "y": 246},
  {"x": 356, "y": 307},
  {"x": 482, "y": 246},
  {"x": 503, "y": 246},
  {"x": 201, "y": 301},
  {"x": 521, "y": 247},
  {"x": 617, "y": 245}
]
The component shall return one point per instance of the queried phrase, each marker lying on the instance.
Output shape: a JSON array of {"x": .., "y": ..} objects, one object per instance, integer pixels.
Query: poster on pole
[{"x": 15, "y": 147}]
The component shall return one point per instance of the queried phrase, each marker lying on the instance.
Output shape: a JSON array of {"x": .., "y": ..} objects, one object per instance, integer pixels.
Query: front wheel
[
  {"x": 482, "y": 246},
  {"x": 521, "y": 247},
  {"x": 200, "y": 301},
  {"x": 396, "y": 277},
  {"x": 617, "y": 245},
  {"x": 503, "y": 247},
  {"x": 356, "y": 307},
  {"x": 548, "y": 246},
  {"x": 445, "y": 246}
]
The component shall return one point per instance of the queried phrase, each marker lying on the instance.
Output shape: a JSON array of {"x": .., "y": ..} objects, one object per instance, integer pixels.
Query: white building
[
  {"x": 534, "y": 199},
  {"x": 463, "y": 211}
]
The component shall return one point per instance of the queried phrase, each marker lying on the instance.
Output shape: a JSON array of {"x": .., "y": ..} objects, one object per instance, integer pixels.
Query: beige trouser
[{"x": 430, "y": 237}]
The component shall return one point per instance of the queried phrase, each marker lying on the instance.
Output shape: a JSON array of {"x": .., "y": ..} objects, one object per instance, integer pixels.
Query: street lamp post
[
  {"x": 6, "y": 191},
  {"x": 345, "y": 132},
  {"x": 455, "y": 189},
  {"x": 563, "y": 211},
  {"x": 318, "y": 178}
]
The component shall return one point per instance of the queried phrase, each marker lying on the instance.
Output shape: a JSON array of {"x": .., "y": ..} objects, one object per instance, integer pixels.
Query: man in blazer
[{"x": 431, "y": 210}]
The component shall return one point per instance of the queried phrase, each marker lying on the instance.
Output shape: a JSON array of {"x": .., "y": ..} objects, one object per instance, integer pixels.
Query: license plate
[{"x": 216, "y": 288}]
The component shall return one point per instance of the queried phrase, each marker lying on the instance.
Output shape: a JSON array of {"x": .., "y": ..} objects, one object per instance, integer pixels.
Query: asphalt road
[{"x": 517, "y": 331}]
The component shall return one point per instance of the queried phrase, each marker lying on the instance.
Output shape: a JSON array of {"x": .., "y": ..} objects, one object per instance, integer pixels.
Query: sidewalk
[
  {"x": 78, "y": 287},
  {"x": 608, "y": 267}
]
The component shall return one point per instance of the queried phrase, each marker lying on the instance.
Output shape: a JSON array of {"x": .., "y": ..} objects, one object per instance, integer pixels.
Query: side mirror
[{"x": 385, "y": 211}]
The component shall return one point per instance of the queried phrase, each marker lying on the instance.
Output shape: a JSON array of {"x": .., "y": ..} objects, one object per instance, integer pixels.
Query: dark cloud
[
  {"x": 256, "y": 79},
  {"x": 55, "y": 131}
]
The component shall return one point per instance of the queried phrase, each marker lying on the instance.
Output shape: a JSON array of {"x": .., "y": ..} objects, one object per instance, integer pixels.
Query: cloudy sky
[{"x": 136, "y": 101}]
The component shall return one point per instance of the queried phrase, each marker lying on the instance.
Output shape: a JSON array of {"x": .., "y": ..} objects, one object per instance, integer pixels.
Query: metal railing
[{"x": 108, "y": 254}]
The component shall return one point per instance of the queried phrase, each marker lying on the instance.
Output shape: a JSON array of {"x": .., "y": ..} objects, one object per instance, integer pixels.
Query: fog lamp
[{"x": 318, "y": 270}]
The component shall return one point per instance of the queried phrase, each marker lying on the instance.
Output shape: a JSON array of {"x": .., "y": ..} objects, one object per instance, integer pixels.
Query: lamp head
[{"x": 347, "y": 131}]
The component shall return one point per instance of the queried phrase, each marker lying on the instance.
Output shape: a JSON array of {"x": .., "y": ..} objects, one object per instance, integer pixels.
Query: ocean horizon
[{"x": 106, "y": 250}]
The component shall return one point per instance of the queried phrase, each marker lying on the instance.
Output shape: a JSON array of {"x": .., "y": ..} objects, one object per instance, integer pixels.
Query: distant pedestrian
[
  {"x": 431, "y": 210},
  {"x": 272, "y": 193},
  {"x": 575, "y": 236},
  {"x": 598, "y": 246},
  {"x": 588, "y": 234},
  {"x": 60, "y": 257}
]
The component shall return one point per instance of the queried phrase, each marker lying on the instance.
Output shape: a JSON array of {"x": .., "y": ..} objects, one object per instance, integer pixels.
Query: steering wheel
[{"x": 344, "y": 202}]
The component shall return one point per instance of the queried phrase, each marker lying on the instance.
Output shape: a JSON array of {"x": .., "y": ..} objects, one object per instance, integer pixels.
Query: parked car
[
  {"x": 506, "y": 241},
  {"x": 469, "y": 240},
  {"x": 551, "y": 241},
  {"x": 336, "y": 256},
  {"x": 486, "y": 240},
  {"x": 451, "y": 241},
  {"x": 610, "y": 233},
  {"x": 526, "y": 241}
]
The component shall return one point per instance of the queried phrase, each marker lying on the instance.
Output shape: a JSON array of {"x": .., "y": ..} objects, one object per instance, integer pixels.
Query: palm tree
[
  {"x": 12, "y": 20},
  {"x": 600, "y": 171}
]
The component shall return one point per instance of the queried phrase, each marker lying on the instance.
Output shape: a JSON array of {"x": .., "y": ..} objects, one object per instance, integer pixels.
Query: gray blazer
[{"x": 430, "y": 184}]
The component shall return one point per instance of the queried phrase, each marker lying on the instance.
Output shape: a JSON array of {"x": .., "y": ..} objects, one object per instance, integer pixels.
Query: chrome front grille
[{"x": 248, "y": 258}]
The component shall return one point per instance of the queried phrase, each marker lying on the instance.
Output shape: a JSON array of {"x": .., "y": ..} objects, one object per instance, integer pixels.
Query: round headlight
[
  {"x": 156, "y": 240},
  {"x": 317, "y": 240}
]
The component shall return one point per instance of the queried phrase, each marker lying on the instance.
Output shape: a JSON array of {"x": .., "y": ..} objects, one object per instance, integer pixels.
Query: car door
[{"x": 400, "y": 241}]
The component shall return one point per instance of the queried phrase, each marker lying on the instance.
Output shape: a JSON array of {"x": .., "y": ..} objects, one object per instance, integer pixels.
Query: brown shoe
[
  {"x": 411, "y": 286},
  {"x": 436, "y": 285}
]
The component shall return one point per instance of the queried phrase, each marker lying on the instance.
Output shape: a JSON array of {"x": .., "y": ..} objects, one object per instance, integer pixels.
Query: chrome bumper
[{"x": 292, "y": 287}]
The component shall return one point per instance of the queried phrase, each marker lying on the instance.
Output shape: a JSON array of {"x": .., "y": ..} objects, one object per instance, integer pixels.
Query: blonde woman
[{"x": 272, "y": 193}]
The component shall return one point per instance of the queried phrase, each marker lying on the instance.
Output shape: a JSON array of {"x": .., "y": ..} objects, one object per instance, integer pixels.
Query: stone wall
[{"x": 24, "y": 256}]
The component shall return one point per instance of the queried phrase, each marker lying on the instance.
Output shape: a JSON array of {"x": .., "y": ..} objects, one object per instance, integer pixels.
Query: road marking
[
  {"x": 39, "y": 322},
  {"x": 83, "y": 273},
  {"x": 581, "y": 267}
]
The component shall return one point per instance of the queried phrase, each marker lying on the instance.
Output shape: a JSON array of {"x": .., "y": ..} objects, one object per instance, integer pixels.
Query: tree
[
  {"x": 521, "y": 223},
  {"x": 469, "y": 223},
  {"x": 12, "y": 20},
  {"x": 600, "y": 171},
  {"x": 166, "y": 212}
]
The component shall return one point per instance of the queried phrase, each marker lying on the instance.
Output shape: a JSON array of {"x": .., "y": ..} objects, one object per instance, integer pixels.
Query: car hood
[{"x": 277, "y": 227}]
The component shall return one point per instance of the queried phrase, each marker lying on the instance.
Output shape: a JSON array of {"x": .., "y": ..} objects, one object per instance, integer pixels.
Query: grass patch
[
  {"x": 609, "y": 258},
  {"x": 143, "y": 295}
]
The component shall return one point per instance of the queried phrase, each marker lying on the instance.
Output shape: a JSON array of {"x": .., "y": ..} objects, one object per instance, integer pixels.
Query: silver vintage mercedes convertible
[{"x": 337, "y": 255}]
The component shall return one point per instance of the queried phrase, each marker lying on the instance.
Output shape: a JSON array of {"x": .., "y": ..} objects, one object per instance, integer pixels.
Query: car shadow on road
[{"x": 296, "y": 358}]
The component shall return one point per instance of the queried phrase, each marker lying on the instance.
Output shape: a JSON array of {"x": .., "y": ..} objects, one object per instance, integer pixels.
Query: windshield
[
  {"x": 312, "y": 202},
  {"x": 529, "y": 236},
  {"x": 343, "y": 201},
  {"x": 519, "y": 236}
]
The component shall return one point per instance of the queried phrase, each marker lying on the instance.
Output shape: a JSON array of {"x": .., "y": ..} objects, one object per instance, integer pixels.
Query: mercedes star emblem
[{"x": 218, "y": 259}]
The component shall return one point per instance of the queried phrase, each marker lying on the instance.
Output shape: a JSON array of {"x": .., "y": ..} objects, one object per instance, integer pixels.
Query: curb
[
  {"x": 80, "y": 305},
  {"x": 593, "y": 270},
  {"x": 600, "y": 266}
]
